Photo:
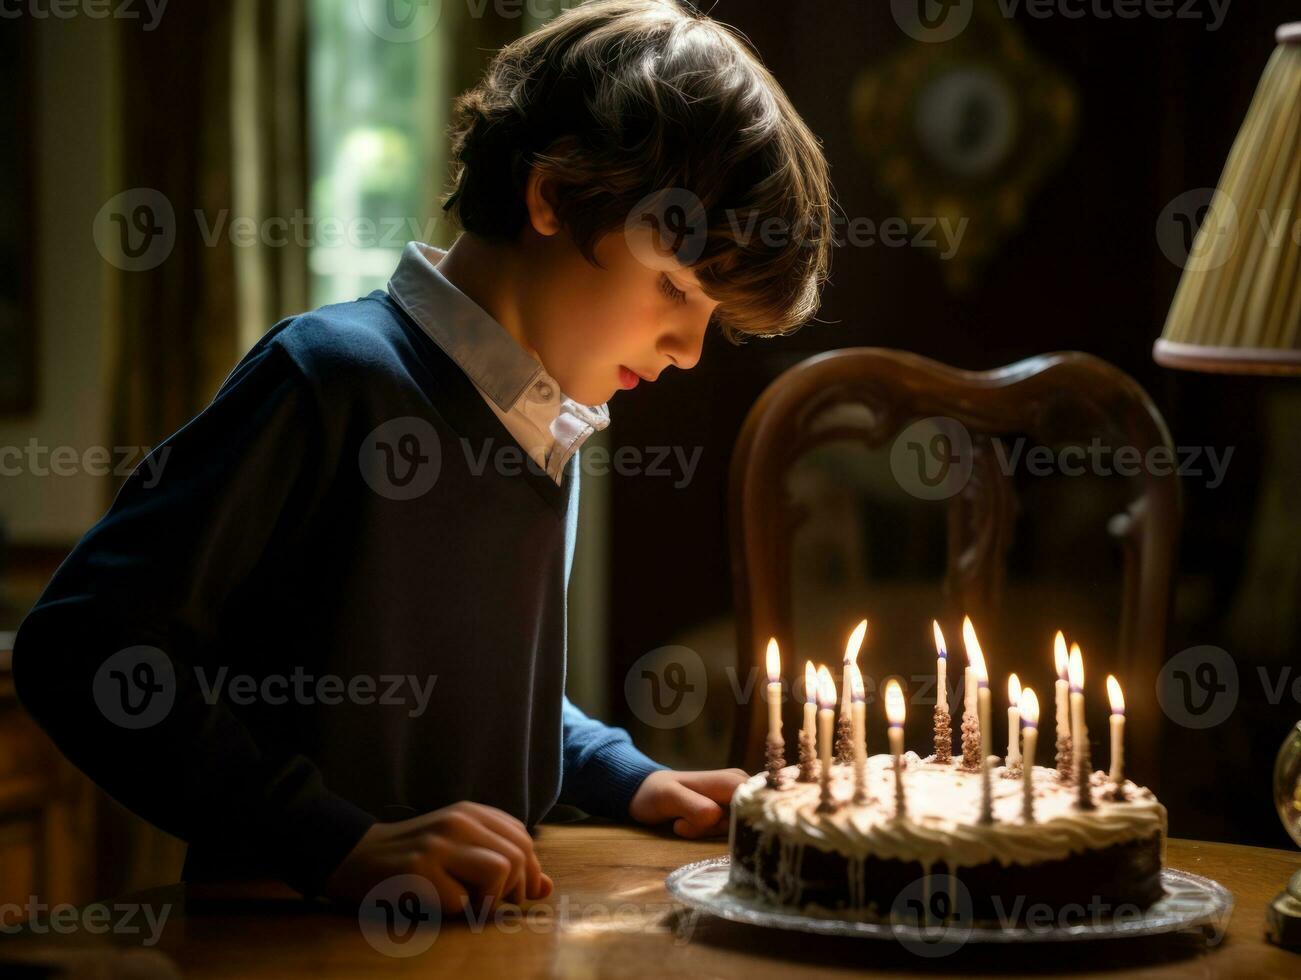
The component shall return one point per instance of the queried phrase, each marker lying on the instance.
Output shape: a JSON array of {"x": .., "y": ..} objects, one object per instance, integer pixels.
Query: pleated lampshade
[{"x": 1238, "y": 305}]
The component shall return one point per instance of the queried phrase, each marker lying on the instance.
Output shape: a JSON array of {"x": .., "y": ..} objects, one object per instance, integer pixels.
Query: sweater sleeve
[
  {"x": 109, "y": 659},
  {"x": 602, "y": 767}
]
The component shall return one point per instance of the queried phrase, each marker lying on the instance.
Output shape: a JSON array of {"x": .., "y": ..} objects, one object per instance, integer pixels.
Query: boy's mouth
[{"x": 628, "y": 379}]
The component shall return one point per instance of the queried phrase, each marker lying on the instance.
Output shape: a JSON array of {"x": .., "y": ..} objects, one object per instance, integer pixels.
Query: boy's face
[{"x": 600, "y": 330}]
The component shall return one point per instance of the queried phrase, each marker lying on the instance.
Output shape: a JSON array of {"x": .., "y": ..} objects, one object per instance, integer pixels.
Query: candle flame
[
  {"x": 855, "y": 642},
  {"x": 1029, "y": 708},
  {"x": 1076, "y": 668},
  {"x": 974, "y": 654},
  {"x": 826, "y": 689},
  {"x": 1060, "y": 657},
  {"x": 810, "y": 682},
  {"x": 856, "y": 690},
  {"x": 940, "y": 648},
  {"x": 1116, "y": 696},
  {"x": 894, "y": 703},
  {"x": 1013, "y": 690},
  {"x": 774, "y": 662}
]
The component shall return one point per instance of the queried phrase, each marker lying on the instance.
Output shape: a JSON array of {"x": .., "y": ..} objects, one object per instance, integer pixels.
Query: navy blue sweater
[{"x": 313, "y": 606}]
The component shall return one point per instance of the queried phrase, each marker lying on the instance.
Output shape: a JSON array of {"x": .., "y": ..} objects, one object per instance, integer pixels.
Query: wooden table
[{"x": 610, "y": 917}]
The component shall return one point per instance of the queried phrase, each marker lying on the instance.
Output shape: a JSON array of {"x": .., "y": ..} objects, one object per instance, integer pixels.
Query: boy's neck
[{"x": 486, "y": 272}]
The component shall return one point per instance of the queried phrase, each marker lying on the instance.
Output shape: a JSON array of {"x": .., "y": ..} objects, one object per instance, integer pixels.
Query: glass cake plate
[{"x": 1191, "y": 902}]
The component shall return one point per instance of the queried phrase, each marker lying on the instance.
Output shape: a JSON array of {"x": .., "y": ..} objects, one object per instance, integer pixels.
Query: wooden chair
[{"x": 871, "y": 395}]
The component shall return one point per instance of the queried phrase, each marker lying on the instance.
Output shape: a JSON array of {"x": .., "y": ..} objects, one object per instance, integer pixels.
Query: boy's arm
[
  {"x": 602, "y": 767},
  {"x": 218, "y": 502}
]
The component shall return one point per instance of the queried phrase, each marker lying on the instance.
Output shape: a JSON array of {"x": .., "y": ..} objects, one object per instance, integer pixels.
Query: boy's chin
[{"x": 592, "y": 394}]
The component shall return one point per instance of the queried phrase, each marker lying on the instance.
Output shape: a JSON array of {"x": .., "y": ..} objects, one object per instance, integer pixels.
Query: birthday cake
[{"x": 861, "y": 859}]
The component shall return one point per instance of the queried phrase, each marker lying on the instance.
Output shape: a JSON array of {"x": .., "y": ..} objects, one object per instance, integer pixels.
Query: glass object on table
[{"x": 1284, "y": 913}]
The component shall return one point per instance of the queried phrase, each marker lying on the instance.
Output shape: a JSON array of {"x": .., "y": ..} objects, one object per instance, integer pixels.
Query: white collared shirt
[{"x": 547, "y": 424}]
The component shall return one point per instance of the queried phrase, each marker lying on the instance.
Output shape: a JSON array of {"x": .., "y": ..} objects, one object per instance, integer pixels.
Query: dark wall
[{"x": 1159, "y": 105}]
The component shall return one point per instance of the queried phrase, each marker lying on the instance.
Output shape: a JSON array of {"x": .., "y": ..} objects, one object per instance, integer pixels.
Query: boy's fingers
[
  {"x": 684, "y": 828},
  {"x": 699, "y": 814},
  {"x": 481, "y": 835},
  {"x": 717, "y": 784},
  {"x": 485, "y": 873},
  {"x": 452, "y": 896},
  {"x": 515, "y": 831}
]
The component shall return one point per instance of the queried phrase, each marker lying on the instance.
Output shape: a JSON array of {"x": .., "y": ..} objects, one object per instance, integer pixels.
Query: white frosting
[{"x": 942, "y": 822}]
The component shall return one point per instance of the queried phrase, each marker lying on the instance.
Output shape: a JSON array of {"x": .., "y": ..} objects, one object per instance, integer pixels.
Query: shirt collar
[{"x": 469, "y": 335}]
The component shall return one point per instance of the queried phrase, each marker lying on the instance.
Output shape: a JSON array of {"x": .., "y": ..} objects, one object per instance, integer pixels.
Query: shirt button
[{"x": 544, "y": 390}]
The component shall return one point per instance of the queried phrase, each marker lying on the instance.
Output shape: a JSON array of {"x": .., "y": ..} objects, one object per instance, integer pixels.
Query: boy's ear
[{"x": 540, "y": 200}]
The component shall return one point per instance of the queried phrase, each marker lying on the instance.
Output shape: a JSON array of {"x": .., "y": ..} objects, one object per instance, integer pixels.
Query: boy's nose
[{"x": 683, "y": 348}]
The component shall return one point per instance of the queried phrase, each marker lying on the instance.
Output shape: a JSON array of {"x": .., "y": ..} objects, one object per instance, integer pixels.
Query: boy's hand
[
  {"x": 692, "y": 800},
  {"x": 468, "y": 851}
]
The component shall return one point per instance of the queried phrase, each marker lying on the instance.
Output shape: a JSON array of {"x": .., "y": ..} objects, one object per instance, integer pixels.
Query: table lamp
[
  {"x": 1238, "y": 306},
  {"x": 1238, "y": 311}
]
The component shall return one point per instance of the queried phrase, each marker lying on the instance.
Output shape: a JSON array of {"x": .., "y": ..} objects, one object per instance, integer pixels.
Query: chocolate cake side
[{"x": 1122, "y": 878}]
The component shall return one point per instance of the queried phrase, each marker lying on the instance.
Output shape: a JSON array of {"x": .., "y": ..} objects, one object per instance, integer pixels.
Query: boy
[{"x": 324, "y": 639}]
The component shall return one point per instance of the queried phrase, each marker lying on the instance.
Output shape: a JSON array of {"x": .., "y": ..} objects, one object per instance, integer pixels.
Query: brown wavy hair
[{"x": 617, "y": 100}]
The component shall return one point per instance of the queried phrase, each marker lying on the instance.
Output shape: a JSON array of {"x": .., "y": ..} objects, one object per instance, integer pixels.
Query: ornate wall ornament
[{"x": 963, "y": 131}]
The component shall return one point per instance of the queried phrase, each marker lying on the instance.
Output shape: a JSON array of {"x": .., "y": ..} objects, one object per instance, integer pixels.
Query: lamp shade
[{"x": 1238, "y": 305}]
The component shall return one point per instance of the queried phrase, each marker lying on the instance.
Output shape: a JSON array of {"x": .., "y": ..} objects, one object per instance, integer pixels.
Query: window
[{"x": 377, "y": 120}]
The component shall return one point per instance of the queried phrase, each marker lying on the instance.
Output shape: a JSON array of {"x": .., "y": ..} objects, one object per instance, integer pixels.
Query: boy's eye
[{"x": 670, "y": 290}]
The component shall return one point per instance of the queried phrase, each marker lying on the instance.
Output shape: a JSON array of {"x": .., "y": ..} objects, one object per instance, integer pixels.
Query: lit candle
[
  {"x": 810, "y": 699},
  {"x": 943, "y": 724},
  {"x": 970, "y": 677},
  {"x": 941, "y": 666},
  {"x": 858, "y": 702},
  {"x": 1117, "y": 698},
  {"x": 774, "y": 691},
  {"x": 1079, "y": 732},
  {"x": 776, "y": 748},
  {"x": 826, "y": 715},
  {"x": 1062, "y": 686},
  {"x": 808, "y": 740},
  {"x": 981, "y": 675},
  {"x": 894, "y": 713},
  {"x": 1013, "y": 721},
  {"x": 851, "y": 659},
  {"x": 1029, "y": 736}
]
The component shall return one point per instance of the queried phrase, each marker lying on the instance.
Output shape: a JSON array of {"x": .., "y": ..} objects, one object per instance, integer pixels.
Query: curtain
[
  {"x": 212, "y": 136},
  {"x": 211, "y": 106}
]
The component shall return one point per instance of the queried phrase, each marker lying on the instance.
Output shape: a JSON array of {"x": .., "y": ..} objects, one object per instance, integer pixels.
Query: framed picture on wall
[{"x": 17, "y": 227}]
